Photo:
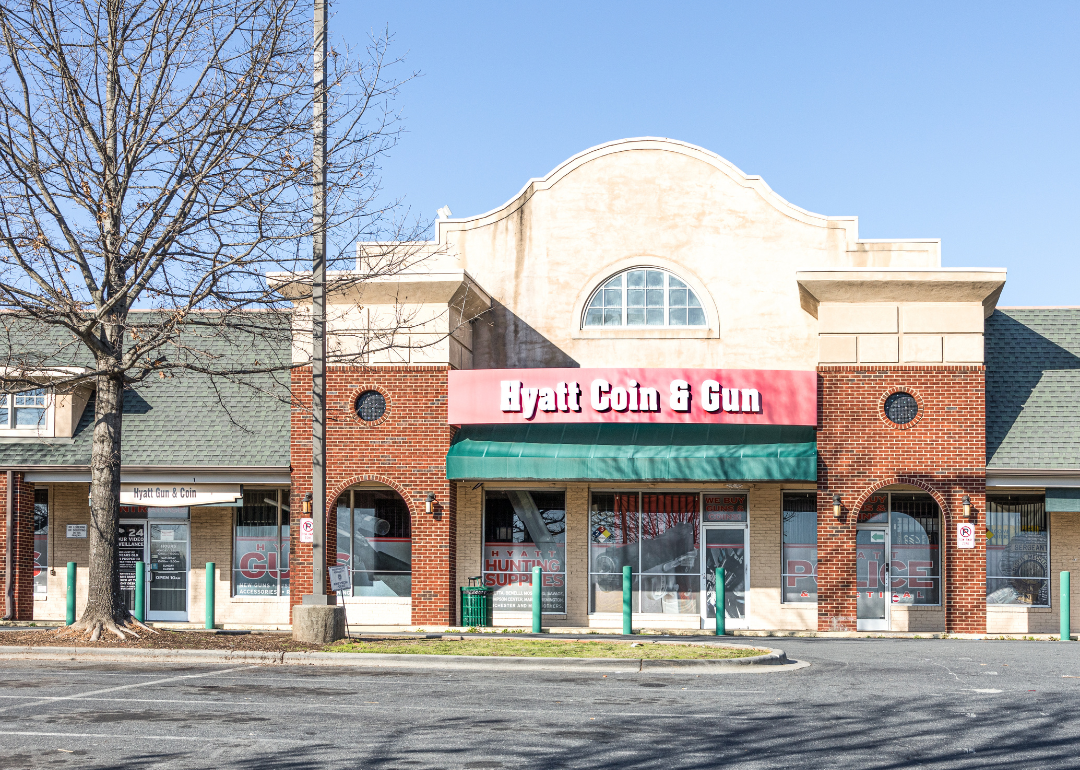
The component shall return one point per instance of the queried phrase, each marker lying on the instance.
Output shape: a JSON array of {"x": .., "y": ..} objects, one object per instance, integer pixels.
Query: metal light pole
[{"x": 318, "y": 593}]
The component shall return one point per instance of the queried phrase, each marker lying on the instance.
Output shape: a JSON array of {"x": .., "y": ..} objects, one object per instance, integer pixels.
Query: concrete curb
[{"x": 773, "y": 660}]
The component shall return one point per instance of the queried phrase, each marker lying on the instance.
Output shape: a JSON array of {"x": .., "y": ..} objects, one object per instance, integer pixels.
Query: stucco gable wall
[{"x": 542, "y": 254}]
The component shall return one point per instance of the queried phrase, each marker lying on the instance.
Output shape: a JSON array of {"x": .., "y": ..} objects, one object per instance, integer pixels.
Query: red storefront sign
[{"x": 738, "y": 396}]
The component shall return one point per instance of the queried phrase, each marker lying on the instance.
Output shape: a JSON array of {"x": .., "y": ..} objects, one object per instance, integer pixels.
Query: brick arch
[
  {"x": 910, "y": 480},
  {"x": 332, "y": 496}
]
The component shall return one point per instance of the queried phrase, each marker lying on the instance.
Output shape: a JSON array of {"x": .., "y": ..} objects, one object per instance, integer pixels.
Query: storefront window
[
  {"x": 915, "y": 538},
  {"x": 374, "y": 539},
  {"x": 613, "y": 544},
  {"x": 261, "y": 544},
  {"x": 670, "y": 554},
  {"x": 658, "y": 536},
  {"x": 41, "y": 542},
  {"x": 1017, "y": 551},
  {"x": 912, "y": 522},
  {"x": 523, "y": 530},
  {"x": 800, "y": 547}
]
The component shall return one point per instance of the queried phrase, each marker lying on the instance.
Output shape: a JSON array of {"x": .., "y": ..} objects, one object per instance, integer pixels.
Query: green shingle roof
[
  {"x": 1032, "y": 385},
  {"x": 189, "y": 419}
]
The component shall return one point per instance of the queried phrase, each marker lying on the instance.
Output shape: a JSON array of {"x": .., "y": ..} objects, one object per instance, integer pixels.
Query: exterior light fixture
[
  {"x": 967, "y": 506},
  {"x": 306, "y": 508},
  {"x": 836, "y": 504},
  {"x": 428, "y": 502}
]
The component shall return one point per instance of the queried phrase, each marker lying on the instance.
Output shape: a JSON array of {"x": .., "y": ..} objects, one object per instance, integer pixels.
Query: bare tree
[{"x": 155, "y": 167}]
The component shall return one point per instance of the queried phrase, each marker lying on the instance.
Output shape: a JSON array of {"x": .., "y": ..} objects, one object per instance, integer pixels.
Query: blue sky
[{"x": 950, "y": 120}]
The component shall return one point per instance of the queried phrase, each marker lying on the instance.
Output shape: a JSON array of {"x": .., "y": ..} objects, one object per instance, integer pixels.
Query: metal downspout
[{"x": 9, "y": 585}]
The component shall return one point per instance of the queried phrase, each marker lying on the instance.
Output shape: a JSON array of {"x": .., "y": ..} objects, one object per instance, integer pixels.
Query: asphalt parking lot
[{"x": 862, "y": 703}]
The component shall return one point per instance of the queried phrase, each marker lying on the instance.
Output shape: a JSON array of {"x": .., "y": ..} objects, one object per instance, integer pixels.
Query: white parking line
[
  {"x": 84, "y": 695},
  {"x": 127, "y": 738}
]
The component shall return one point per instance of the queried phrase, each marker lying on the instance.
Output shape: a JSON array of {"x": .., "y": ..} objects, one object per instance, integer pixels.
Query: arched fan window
[{"x": 644, "y": 296}]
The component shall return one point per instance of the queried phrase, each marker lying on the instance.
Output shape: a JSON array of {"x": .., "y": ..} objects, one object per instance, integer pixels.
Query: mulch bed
[{"x": 164, "y": 640}]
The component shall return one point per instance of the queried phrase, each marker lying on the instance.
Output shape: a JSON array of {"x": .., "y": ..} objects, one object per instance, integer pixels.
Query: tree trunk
[{"x": 105, "y": 608}]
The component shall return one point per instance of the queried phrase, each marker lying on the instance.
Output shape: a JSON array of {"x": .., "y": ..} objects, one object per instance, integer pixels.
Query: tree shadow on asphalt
[
  {"x": 958, "y": 732},
  {"x": 955, "y": 733}
]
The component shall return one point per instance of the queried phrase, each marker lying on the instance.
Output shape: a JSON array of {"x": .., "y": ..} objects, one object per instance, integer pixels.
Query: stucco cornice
[{"x": 756, "y": 183}]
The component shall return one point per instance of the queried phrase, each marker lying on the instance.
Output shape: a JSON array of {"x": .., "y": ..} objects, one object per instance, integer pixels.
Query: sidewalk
[{"x": 359, "y": 630}]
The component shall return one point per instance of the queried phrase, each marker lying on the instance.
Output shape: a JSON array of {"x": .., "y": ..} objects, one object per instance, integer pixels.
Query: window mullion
[
  {"x": 667, "y": 315},
  {"x": 625, "y": 297}
]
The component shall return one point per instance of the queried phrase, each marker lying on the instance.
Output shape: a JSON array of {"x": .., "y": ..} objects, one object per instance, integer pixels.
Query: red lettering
[
  {"x": 798, "y": 568},
  {"x": 251, "y": 566},
  {"x": 919, "y": 569},
  {"x": 873, "y": 574}
]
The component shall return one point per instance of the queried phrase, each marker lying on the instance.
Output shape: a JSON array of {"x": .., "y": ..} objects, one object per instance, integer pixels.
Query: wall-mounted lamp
[
  {"x": 428, "y": 502},
  {"x": 306, "y": 508},
  {"x": 967, "y": 506},
  {"x": 836, "y": 504}
]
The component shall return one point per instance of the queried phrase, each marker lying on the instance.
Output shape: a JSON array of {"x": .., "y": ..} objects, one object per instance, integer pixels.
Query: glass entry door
[
  {"x": 872, "y": 579},
  {"x": 726, "y": 547},
  {"x": 131, "y": 544},
  {"x": 168, "y": 573}
]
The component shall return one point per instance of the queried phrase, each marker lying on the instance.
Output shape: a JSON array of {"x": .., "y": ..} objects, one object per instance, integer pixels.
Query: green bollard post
[
  {"x": 1066, "y": 627},
  {"x": 71, "y": 593},
  {"x": 721, "y": 603},
  {"x": 627, "y": 601},
  {"x": 537, "y": 591},
  {"x": 210, "y": 594},
  {"x": 140, "y": 592}
]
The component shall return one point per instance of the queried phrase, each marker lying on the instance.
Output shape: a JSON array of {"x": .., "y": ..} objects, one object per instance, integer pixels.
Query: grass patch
[{"x": 545, "y": 648}]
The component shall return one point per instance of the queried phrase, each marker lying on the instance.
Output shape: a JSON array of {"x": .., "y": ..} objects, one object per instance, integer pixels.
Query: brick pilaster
[
  {"x": 943, "y": 453},
  {"x": 406, "y": 451},
  {"x": 22, "y": 547}
]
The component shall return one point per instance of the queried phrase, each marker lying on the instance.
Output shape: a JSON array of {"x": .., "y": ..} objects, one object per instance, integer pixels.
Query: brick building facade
[{"x": 524, "y": 379}]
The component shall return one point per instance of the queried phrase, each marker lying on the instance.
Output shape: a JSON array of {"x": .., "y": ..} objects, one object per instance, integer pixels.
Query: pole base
[
  {"x": 319, "y": 600},
  {"x": 315, "y": 624}
]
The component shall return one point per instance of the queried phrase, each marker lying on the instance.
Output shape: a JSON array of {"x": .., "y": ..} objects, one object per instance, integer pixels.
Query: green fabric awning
[{"x": 644, "y": 452}]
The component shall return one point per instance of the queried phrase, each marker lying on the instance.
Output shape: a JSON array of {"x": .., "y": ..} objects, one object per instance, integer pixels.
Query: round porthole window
[
  {"x": 901, "y": 408},
  {"x": 370, "y": 405}
]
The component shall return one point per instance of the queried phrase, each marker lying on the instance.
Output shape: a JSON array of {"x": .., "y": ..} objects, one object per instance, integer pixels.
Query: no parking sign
[
  {"x": 965, "y": 536},
  {"x": 307, "y": 530}
]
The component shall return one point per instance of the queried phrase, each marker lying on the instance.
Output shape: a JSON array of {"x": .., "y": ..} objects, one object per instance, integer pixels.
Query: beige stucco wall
[
  {"x": 900, "y": 332},
  {"x": 656, "y": 203}
]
